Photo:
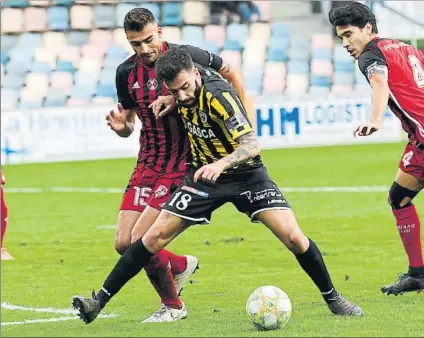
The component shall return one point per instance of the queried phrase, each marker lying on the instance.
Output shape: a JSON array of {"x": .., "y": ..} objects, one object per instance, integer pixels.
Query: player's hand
[
  {"x": 117, "y": 120},
  {"x": 209, "y": 173},
  {"x": 163, "y": 105},
  {"x": 366, "y": 129}
]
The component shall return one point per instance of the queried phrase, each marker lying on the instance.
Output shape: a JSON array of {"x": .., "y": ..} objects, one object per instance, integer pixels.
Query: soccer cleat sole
[
  {"x": 195, "y": 269},
  {"x": 77, "y": 305},
  {"x": 388, "y": 291}
]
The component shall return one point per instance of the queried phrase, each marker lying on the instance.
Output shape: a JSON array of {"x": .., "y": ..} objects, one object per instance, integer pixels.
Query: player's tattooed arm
[{"x": 249, "y": 148}]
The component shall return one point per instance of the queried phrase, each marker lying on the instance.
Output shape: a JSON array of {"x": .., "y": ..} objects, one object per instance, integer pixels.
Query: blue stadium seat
[
  {"x": 322, "y": 54},
  {"x": 322, "y": 81},
  {"x": 171, "y": 14},
  {"x": 8, "y": 41},
  {"x": 343, "y": 78},
  {"x": 152, "y": 7},
  {"x": 300, "y": 54},
  {"x": 64, "y": 2},
  {"x": 4, "y": 56},
  {"x": 107, "y": 77},
  {"x": 58, "y": 18},
  {"x": 344, "y": 66},
  {"x": 40, "y": 67},
  {"x": 298, "y": 67},
  {"x": 17, "y": 68},
  {"x": 20, "y": 54},
  {"x": 121, "y": 10},
  {"x": 111, "y": 63},
  {"x": 107, "y": 90},
  {"x": 192, "y": 35},
  {"x": 236, "y": 36},
  {"x": 65, "y": 66},
  {"x": 116, "y": 52},
  {"x": 82, "y": 92},
  {"x": 104, "y": 16},
  {"x": 30, "y": 104},
  {"x": 12, "y": 81},
  {"x": 77, "y": 38},
  {"x": 253, "y": 78},
  {"x": 9, "y": 98},
  {"x": 16, "y": 3},
  {"x": 276, "y": 54},
  {"x": 30, "y": 40},
  {"x": 280, "y": 29},
  {"x": 55, "y": 98},
  {"x": 277, "y": 49},
  {"x": 210, "y": 46}
]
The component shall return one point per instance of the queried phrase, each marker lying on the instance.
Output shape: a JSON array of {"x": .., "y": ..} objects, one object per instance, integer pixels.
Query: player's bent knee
[
  {"x": 400, "y": 197},
  {"x": 154, "y": 240},
  {"x": 121, "y": 245},
  {"x": 297, "y": 242}
]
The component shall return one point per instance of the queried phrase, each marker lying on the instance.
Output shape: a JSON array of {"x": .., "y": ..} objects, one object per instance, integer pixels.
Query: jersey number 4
[{"x": 417, "y": 70}]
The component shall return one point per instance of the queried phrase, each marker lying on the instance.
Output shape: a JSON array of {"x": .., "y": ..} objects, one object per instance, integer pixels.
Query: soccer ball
[{"x": 268, "y": 308}]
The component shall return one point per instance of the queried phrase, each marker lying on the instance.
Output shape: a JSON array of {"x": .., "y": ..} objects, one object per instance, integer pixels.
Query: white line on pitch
[
  {"x": 358, "y": 189},
  {"x": 49, "y": 320},
  {"x": 8, "y": 306}
]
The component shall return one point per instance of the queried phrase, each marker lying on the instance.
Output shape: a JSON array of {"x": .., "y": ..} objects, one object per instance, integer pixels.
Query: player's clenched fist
[
  {"x": 366, "y": 129},
  {"x": 209, "y": 173},
  {"x": 117, "y": 120}
]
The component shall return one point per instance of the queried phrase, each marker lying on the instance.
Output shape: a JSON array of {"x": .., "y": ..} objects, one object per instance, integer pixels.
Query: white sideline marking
[
  {"x": 372, "y": 188},
  {"x": 13, "y": 307}
]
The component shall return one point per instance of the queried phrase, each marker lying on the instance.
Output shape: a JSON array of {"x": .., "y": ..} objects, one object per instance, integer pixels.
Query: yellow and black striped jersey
[{"x": 216, "y": 122}]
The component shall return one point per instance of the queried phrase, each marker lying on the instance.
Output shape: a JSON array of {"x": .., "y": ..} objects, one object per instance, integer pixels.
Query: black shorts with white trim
[{"x": 251, "y": 191}]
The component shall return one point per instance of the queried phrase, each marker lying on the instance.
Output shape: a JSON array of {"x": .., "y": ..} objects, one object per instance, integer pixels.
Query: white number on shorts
[
  {"x": 141, "y": 194},
  {"x": 417, "y": 70},
  {"x": 407, "y": 158},
  {"x": 182, "y": 204}
]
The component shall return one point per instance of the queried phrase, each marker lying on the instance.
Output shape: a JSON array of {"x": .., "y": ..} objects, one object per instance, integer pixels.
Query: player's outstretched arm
[{"x": 379, "y": 100}]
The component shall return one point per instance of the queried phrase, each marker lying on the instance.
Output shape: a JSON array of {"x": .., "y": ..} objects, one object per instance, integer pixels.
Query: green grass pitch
[{"x": 63, "y": 245}]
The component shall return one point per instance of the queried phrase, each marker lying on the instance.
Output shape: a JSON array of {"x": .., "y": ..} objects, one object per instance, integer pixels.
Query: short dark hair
[
  {"x": 170, "y": 64},
  {"x": 355, "y": 14},
  {"x": 137, "y": 18}
]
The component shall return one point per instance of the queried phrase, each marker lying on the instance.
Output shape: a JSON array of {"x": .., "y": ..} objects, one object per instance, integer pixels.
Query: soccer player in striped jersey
[
  {"x": 225, "y": 167},
  {"x": 161, "y": 163}
]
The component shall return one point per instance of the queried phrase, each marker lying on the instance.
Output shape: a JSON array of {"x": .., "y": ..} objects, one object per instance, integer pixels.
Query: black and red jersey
[
  {"x": 405, "y": 72},
  {"x": 163, "y": 141}
]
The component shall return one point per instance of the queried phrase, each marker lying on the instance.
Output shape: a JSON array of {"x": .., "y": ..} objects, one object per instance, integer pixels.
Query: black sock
[
  {"x": 312, "y": 262},
  {"x": 130, "y": 264},
  {"x": 416, "y": 272}
]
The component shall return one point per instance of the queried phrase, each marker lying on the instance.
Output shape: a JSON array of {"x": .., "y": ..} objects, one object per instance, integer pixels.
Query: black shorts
[{"x": 250, "y": 191}]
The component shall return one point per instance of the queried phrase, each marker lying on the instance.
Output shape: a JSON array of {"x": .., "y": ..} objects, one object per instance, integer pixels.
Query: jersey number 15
[{"x": 417, "y": 70}]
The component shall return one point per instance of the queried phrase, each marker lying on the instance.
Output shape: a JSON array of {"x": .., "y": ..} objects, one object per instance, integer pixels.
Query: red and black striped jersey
[
  {"x": 404, "y": 67},
  {"x": 163, "y": 142}
]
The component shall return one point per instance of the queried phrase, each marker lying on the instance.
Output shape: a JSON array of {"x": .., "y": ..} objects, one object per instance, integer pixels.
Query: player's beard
[{"x": 194, "y": 100}]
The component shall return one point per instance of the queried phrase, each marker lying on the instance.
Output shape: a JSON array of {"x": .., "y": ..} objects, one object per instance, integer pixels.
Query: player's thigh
[
  {"x": 284, "y": 226},
  {"x": 411, "y": 169},
  {"x": 144, "y": 222},
  {"x": 126, "y": 222},
  {"x": 166, "y": 227}
]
